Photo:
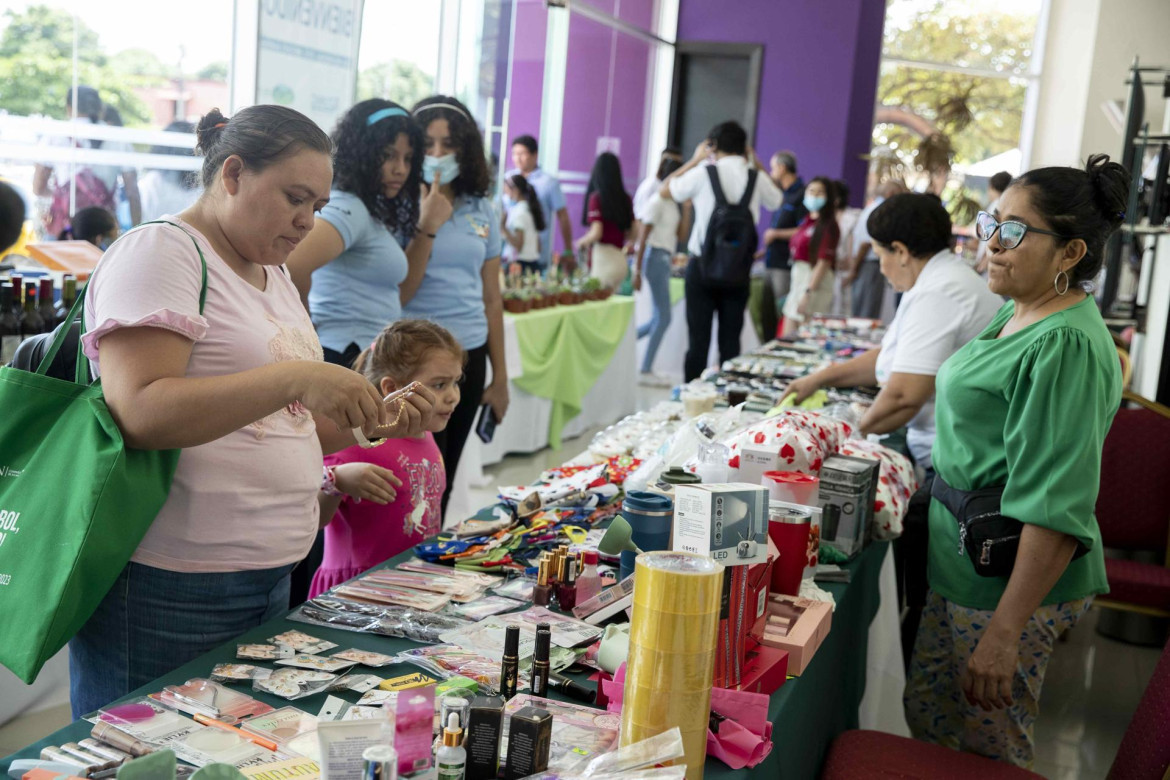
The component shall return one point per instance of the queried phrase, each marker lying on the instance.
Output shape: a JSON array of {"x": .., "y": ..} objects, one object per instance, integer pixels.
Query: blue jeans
[
  {"x": 153, "y": 621},
  {"x": 656, "y": 271}
]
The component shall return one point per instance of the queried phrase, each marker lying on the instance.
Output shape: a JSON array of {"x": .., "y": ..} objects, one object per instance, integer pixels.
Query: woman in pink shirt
[
  {"x": 387, "y": 499},
  {"x": 237, "y": 384}
]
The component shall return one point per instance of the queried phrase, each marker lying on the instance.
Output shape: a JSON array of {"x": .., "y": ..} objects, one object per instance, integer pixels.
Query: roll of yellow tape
[{"x": 668, "y": 673}]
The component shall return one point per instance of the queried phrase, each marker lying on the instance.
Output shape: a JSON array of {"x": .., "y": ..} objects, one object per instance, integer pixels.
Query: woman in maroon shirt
[
  {"x": 609, "y": 215},
  {"x": 814, "y": 250}
]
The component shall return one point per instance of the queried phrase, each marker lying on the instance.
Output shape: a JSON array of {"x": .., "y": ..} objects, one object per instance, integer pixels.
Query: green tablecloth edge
[{"x": 807, "y": 712}]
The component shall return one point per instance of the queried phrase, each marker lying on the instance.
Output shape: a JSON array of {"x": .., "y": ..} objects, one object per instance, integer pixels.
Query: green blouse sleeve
[{"x": 1060, "y": 407}]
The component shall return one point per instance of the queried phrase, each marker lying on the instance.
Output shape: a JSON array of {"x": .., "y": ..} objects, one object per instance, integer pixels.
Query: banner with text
[{"x": 307, "y": 57}]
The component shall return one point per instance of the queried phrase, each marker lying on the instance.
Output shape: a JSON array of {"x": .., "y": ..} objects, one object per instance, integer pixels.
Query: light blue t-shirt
[
  {"x": 552, "y": 200},
  {"x": 356, "y": 295},
  {"x": 451, "y": 293}
]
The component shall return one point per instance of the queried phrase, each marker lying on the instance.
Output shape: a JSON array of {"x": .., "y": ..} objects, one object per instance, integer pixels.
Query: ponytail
[{"x": 528, "y": 192}]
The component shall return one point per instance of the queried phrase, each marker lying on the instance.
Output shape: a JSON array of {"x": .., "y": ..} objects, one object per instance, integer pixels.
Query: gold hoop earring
[{"x": 1056, "y": 283}]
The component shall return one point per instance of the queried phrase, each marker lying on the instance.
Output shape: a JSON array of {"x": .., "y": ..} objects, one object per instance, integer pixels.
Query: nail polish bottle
[
  {"x": 567, "y": 590},
  {"x": 542, "y": 593}
]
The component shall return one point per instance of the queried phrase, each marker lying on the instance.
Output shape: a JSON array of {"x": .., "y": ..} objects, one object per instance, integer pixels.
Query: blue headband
[{"x": 378, "y": 116}]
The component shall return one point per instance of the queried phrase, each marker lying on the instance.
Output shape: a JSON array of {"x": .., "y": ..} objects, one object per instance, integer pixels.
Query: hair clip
[
  {"x": 1121, "y": 215},
  {"x": 384, "y": 113},
  {"x": 218, "y": 125}
]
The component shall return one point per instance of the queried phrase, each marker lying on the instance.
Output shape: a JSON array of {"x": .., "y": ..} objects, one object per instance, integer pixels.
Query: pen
[{"x": 219, "y": 724}]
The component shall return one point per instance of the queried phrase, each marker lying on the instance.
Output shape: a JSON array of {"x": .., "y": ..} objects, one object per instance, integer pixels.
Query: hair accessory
[
  {"x": 384, "y": 113},
  {"x": 456, "y": 109},
  {"x": 218, "y": 125},
  {"x": 1121, "y": 215}
]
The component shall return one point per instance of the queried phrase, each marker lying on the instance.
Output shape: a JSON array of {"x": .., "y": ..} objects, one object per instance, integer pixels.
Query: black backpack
[{"x": 730, "y": 246}]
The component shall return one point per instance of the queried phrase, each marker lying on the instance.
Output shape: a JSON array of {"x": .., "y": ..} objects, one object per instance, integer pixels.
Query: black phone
[{"x": 486, "y": 427}]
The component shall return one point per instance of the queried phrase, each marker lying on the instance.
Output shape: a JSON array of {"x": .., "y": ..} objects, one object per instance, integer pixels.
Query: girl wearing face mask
[
  {"x": 814, "y": 250},
  {"x": 349, "y": 267},
  {"x": 229, "y": 371},
  {"x": 454, "y": 277}
]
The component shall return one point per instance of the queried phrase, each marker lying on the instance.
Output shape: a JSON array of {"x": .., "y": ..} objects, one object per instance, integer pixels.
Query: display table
[
  {"x": 673, "y": 350},
  {"x": 807, "y": 712}
]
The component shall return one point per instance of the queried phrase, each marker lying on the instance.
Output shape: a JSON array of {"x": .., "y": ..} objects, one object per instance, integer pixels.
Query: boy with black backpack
[{"x": 726, "y": 196}]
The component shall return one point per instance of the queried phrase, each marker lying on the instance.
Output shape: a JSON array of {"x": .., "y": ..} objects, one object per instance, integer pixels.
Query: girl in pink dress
[{"x": 378, "y": 502}]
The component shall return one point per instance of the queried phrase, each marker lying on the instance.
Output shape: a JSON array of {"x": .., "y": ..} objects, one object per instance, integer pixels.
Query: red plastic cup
[
  {"x": 789, "y": 529},
  {"x": 793, "y": 486}
]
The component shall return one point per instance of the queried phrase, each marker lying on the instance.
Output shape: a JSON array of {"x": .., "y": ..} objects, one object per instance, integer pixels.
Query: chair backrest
[
  {"x": 1133, "y": 506},
  {"x": 1145, "y": 748}
]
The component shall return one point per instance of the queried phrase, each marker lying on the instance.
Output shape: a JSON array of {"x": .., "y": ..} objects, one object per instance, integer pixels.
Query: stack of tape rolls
[{"x": 673, "y": 635}]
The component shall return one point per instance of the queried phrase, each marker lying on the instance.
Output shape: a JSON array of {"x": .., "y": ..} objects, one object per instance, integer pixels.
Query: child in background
[
  {"x": 522, "y": 226},
  {"x": 377, "y": 502}
]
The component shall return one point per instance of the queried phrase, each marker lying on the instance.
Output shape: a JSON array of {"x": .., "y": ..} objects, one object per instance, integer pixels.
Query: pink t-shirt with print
[
  {"x": 362, "y": 535},
  {"x": 247, "y": 500}
]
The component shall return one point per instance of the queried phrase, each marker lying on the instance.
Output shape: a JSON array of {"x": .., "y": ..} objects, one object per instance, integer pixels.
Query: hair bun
[
  {"x": 1110, "y": 184},
  {"x": 209, "y": 129}
]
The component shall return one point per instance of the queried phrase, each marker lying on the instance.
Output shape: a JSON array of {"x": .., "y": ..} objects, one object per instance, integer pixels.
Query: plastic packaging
[
  {"x": 293, "y": 684},
  {"x": 364, "y": 657},
  {"x": 443, "y": 661},
  {"x": 381, "y": 619},
  {"x": 658, "y": 749},
  {"x": 205, "y": 697},
  {"x": 358, "y": 683},
  {"x": 318, "y": 663},
  {"x": 301, "y": 642},
  {"x": 263, "y": 652},
  {"x": 236, "y": 673}
]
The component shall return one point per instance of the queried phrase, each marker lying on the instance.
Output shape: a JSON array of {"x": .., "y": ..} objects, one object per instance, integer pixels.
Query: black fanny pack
[{"x": 989, "y": 539}]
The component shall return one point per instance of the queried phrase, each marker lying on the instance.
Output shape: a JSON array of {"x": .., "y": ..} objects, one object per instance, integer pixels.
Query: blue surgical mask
[
  {"x": 447, "y": 166},
  {"x": 814, "y": 202}
]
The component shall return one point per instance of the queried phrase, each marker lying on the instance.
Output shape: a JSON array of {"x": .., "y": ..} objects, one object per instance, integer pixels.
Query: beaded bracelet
[{"x": 329, "y": 483}]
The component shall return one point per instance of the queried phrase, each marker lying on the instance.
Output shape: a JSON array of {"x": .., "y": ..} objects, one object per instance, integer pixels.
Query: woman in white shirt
[
  {"x": 656, "y": 245},
  {"x": 945, "y": 305},
  {"x": 523, "y": 225}
]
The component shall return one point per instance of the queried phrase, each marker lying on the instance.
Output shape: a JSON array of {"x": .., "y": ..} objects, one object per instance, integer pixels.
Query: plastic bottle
[
  {"x": 588, "y": 581},
  {"x": 451, "y": 758}
]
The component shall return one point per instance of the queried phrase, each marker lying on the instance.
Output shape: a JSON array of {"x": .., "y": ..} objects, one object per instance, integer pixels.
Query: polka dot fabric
[{"x": 897, "y": 482}]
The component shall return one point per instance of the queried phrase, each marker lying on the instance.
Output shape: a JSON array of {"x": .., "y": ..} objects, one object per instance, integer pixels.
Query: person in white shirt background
[
  {"x": 847, "y": 217},
  {"x": 523, "y": 225},
  {"x": 868, "y": 288},
  {"x": 733, "y": 158},
  {"x": 653, "y": 183},
  {"x": 656, "y": 240}
]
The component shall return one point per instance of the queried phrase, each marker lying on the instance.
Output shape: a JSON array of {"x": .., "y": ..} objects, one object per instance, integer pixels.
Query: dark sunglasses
[{"x": 1011, "y": 233}]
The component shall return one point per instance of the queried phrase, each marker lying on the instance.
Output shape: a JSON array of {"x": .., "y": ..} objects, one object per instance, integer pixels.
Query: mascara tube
[
  {"x": 540, "y": 660},
  {"x": 510, "y": 668}
]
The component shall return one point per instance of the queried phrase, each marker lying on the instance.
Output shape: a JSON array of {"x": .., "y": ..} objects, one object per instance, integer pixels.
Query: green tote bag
[{"x": 75, "y": 502}]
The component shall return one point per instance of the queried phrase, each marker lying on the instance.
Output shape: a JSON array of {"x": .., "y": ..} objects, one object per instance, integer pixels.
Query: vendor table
[{"x": 807, "y": 712}]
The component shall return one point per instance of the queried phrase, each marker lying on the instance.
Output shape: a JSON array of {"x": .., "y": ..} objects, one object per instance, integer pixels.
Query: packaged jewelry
[
  {"x": 283, "y": 726},
  {"x": 358, "y": 683},
  {"x": 359, "y": 712},
  {"x": 483, "y": 607},
  {"x": 318, "y": 662},
  {"x": 364, "y": 657},
  {"x": 206, "y": 697},
  {"x": 377, "y": 698},
  {"x": 302, "y": 643},
  {"x": 263, "y": 652},
  {"x": 293, "y": 684},
  {"x": 234, "y": 673}
]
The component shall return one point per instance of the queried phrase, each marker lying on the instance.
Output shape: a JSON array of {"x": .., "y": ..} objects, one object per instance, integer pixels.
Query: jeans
[
  {"x": 869, "y": 289},
  {"x": 345, "y": 358},
  {"x": 153, "y": 621},
  {"x": 452, "y": 440},
  {"x": 704, "y": 302},
  {"x": 656, "y": 270}
]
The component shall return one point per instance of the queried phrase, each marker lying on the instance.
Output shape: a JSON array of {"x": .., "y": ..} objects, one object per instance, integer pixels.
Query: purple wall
[
  {"x": 527, "y": 72},
  {"x": 819, "y": 79}
]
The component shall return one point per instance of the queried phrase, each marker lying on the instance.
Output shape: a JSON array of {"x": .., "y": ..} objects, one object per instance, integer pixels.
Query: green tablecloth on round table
[
  {"x": 807, "y": 712},
  {"x": 565, "y": 349}
]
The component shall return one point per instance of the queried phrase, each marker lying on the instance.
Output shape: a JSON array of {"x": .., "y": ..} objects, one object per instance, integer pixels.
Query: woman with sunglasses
[{"x": 1025, "y": 408}]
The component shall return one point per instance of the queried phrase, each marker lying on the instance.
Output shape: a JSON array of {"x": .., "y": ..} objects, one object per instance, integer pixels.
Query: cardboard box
[
  {"x": 755, "y": 460},
  {"x": 484, "y": 729},
  {"x": 846, "y": 497},
  {"x": 727, "y": 522},
  {"x": 798, "y": 626},
  {"x": 875, "y": 474},
  {"x": 743, "y": 612},
  {"x": 765, "y": 669},
  {"x": 529, "y": 742}
]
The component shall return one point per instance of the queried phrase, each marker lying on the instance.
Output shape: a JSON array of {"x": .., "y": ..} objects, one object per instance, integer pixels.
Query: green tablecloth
[
  {"x": 565, "y": 349},
  {"x": 807, "y": 712}
]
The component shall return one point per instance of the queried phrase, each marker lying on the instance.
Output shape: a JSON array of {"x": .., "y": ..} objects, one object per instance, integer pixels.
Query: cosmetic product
[
  {"x": 485, "y": 725},
  {"x": 451, "y": 758},
  {"x": 414, "y": 721},
  {"x": 567, "y": 590},
  {"x": 589, "y": 581},
  {"x": 540, "y": 660},
  {"x": 380, "y": 762},
  {"x": 255, "y": 739},
  {"x": 343, "y": 743},
  {"x": 34, "y": 769},
  {"x": 510, "y": 669},
  {"x": 586, "y": 608},
  {"x": 542, "y": 591},
  {"x": 105, "y": 751},
  {"x": 529, "y": 743},
  {"x": 91, "y": 759},
  {"x": 570, "y": 688},
  {"x": 456, "y": 705},
  {"x": 59, "y": 756},
  {"x": 127, "y": 743}
]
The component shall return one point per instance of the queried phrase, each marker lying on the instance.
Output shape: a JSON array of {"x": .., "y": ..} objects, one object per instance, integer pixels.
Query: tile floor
[{"x": 1092, "y": 688}]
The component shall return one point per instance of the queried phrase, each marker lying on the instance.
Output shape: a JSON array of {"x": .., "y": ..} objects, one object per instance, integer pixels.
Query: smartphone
[{"x": 486, "y": 427}]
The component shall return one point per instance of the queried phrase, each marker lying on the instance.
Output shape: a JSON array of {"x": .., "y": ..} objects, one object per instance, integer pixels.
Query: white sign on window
[{"x": 307, "y": 56}]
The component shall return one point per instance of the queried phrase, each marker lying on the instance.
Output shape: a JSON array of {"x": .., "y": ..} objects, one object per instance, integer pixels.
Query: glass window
[{"x": 399, "y": 55}]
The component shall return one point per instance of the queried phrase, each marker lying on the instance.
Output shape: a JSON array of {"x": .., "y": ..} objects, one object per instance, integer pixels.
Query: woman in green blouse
[{"x": 1025, "y": 406}]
